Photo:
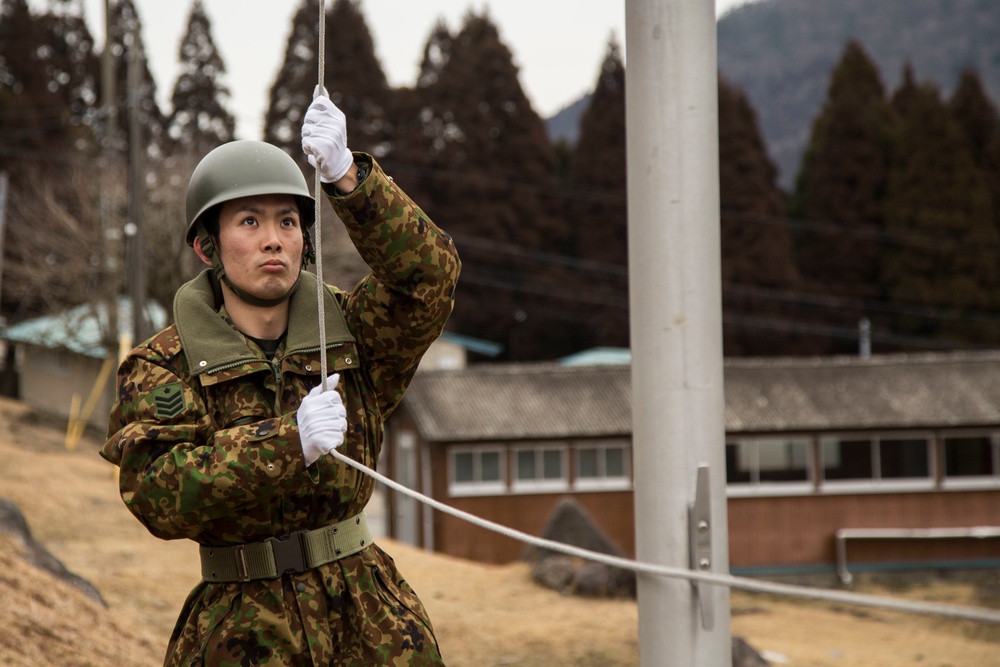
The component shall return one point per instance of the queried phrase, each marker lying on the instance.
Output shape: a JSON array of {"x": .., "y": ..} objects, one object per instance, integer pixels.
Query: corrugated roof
[
  {"x": 78, "y": 329},
  {"x": 524, "y": 401},
  {"x": 521, "y": 401}
]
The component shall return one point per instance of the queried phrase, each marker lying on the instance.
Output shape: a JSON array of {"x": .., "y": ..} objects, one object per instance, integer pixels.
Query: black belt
[{"x": 296, "y": 552}]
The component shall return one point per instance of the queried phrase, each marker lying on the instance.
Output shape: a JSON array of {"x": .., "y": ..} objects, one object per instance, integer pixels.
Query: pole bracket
[{"x": 700, "y": 544}]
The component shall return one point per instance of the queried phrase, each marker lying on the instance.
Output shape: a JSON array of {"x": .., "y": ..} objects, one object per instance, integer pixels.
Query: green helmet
[{"x": 242, "y": 169}]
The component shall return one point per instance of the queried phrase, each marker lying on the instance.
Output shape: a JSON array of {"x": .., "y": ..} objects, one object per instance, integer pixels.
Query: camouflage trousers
[{"x": 352, "y": 612}]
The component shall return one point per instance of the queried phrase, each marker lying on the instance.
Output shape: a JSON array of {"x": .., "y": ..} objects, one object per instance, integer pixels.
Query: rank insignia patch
[{"x": 168, "y": 400}]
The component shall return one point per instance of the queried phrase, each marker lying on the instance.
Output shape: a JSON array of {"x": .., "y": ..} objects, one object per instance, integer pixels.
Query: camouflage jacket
[{"x": 204, "y": 430}]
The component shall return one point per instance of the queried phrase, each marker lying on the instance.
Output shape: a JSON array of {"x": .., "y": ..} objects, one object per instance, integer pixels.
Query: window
[
  {"x": 903, "y": 458},
  {"x": 768, "y": 461},
  {"x": 873, "y": 459},
  {"x": 476, "y": 471},
  {"x": 539, "y": 468},
  {"x": 602, "y": 466},
  {"x": 971, "y": 456},
  {"x": 847, "y": 459}
]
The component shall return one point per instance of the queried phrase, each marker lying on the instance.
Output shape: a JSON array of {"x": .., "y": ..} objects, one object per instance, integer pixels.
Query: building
[
  {"x": 897, "y": 455},
  {"x": 63, "y": 368}
]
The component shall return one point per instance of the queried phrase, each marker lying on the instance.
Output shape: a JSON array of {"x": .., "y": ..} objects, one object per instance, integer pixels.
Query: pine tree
[
  {"x": 976, "y": 114},
  {"x": 598, "y": 167},
  {"x": 353, "y": 78},
  {"x": 758, "y": 271},
  {"x": 596, "y": 199},
  {"x": 199, "y": 120},
  {"x": 938, "y": 214},
  {"x": 47, "y": 82},
  {"x": 293, "y": 86},
  {"x": 47, "y": 78},
  {"x": 839, "y": 193},
  {"x": 486, "y": 175},
  {"x": 126, "y": 31}
]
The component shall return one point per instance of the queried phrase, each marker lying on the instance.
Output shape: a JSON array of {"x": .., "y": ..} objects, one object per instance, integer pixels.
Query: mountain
[
  {"x": 781, "y": 52},
  {"x": 565, "y": 124}
]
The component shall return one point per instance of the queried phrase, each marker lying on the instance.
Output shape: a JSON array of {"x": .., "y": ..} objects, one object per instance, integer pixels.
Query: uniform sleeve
[
  {"x": 399, "y": 309},
  {"x": 176, "y": 473}
]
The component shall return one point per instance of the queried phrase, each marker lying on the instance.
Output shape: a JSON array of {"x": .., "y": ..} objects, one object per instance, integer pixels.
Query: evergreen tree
[
  {"x": 758, "y": 271},
  {"x": 199, "y": 120},
  {"x": 353, "y": 78},
  {"x": 938, "y": 215},
  {"x": 486, "y": 175},
  {"x": 47, "y": 82},
  {"x": 126, "y": 32},
  {"x": 976, "y": 114},
  {"x": 839, "y": 193},
  {"x": 596, "y": 204},
  {"x": 293, "y": 86},
  {"x": 598, "y": 167}
]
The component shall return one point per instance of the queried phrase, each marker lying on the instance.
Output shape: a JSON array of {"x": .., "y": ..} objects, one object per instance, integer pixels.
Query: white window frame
[
  {"x": 756, "y": 487},
  {"x": 477, "y": 487},
  {"x": 539, "y": 484},
  {"x": 972, "y": 482},
  {"x": 603, "y": 482},
  {"x": 876, "y": 483}
]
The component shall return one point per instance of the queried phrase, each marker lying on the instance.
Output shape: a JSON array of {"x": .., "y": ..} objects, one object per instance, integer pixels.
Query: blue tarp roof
[
  {"x": 79, "y": 329},
  {"x": 599, "y": 356}
]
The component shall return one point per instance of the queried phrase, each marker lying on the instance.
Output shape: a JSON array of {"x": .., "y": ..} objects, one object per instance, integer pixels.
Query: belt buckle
[{"x": 289, "y": 553}]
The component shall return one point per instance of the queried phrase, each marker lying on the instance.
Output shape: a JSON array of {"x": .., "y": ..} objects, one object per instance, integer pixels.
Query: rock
[
  {"x": 13, "y": 523},
  {"x": 571, "y": 524},
  {"x": 744, "y": 655}
]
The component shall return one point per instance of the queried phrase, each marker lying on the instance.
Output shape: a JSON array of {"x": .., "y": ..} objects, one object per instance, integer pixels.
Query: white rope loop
[{"x": 318, "y": 196}]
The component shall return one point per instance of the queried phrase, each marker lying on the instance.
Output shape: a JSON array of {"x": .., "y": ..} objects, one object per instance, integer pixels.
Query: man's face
[{"x": 260, "y": 243}]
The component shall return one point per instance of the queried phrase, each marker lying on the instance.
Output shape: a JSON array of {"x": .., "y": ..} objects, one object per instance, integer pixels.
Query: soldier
[{"x": 223, "y": 434}]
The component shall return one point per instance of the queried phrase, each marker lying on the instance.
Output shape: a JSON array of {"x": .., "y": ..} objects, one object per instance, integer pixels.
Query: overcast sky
[{"x": 557, "y": 45}]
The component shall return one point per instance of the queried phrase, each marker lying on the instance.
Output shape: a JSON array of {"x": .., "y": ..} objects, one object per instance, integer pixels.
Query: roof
[
  {"x": 548, "y": 400},
  {"x": 79, "y": 328},
  {"x": 521, "y": 401}
]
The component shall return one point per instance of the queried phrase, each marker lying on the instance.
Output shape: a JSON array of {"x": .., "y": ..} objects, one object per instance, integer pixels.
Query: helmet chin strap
[{"x": 208, "y": 247}]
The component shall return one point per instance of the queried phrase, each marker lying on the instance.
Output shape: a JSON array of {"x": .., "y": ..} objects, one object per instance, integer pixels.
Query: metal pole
[
  {"x": 135, "y": 227},
  {"x": 4, "y": 184},
  {"x": 109, "y": 232},
  {"x": 676, "y": 315}
]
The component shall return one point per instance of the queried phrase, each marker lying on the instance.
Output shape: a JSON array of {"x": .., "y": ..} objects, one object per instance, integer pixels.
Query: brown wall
[
  {"x": 763, "y": 532},
  {"x": 799, "y": 530},
  {"x": 529, "y": 513}
]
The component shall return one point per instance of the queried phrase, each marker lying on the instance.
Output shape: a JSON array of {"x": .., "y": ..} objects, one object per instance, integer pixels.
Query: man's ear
[{"x": 201, "y": 254}]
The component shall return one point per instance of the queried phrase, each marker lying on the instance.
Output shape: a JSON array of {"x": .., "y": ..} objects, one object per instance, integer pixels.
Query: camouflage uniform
[{"x": 223, "y": 465}]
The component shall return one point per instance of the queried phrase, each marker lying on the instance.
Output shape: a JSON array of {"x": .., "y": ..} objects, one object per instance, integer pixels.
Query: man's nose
[{"x": 271, "y": 240}]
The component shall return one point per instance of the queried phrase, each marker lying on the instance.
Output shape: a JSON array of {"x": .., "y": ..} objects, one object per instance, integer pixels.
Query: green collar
[{"x": 211, "y": 343}]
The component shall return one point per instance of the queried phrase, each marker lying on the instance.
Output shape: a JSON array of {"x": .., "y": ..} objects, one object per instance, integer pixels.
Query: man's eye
[
  {"x": 290, "y": 222},
  {"x": 249, "y": 221}
]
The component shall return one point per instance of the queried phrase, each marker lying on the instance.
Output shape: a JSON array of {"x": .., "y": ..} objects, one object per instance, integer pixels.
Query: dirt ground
[{"x": 483, "y": 615}]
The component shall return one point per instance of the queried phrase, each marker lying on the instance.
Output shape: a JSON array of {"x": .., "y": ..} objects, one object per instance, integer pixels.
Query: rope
[
  {"x": 742, "y": 583},
  {"x": 318, "y": 196}
]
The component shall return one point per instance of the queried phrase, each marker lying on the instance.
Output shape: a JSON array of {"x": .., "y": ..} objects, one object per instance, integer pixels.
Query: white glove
[
  {"x": 322, "y": 421},
  {"x": 324, "y": 139}
]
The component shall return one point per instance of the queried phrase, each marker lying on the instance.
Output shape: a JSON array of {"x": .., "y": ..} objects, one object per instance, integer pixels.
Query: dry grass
[{"x": 483, "y": 615}]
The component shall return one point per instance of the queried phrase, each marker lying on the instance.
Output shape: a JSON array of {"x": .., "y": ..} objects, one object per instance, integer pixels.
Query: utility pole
[
  {"x": 4, "y": 187},
  {"x": 135, "y": 227},
  {"x": 108, "y": 146},
  {"x": 676, "y": 322}
]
